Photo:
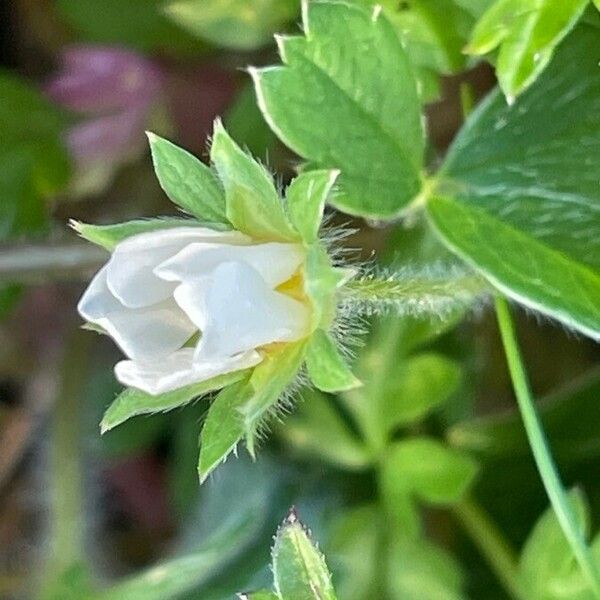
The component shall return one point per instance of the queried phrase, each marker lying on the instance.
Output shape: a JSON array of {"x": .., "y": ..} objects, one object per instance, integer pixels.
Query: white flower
[{"x": 159, "y": 289}]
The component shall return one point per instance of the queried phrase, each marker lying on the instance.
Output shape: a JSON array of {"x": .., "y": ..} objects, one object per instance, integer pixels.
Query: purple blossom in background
[{"x": 114, "y": 92}]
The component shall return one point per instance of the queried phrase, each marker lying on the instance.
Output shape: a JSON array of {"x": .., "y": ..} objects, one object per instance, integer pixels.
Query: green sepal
[
  {"x": 306, "y": 197},
  {"x": 188, "y": 182},
  {"x": 237, "y": 410},
  {"x": 132, "y": 402},
  {"x": 268, "y": 382},
  {"x": 222, "y": 428},
  {"x": 253, "y": 205},
  {"x": 321, "y": 280},
  {"x": 108, "y": 236},
  {"x": 326, "y": 367},
  {"x": 299, "y": 569}
]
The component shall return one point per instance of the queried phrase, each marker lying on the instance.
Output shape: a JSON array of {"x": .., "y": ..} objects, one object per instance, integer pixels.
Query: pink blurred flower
[{"x": 115, "y": 93}]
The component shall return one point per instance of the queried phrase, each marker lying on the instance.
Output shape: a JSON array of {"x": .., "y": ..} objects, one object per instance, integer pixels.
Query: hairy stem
[
  {"x": 437, "y": 290},
  {"x": 492, "y": 544},
  {"x": 541, "y": 451}
]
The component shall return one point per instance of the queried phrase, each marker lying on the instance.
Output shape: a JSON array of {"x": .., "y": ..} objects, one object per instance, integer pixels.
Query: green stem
[
  {"x": 492, "y": 544},
  {"x": 541, "y": 452}
]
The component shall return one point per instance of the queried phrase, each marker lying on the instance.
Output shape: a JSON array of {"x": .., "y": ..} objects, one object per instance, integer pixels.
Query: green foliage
[
  {"x": 32, "y": 157},
  {"x": 306, "y": 197},
  {"x": 527, "y": 33},
  {"x": 187, "y": 182},
  {"x": 362, "y": 106},
  {"x": 318, "y": 429},
  {"x": 326, "y": 368},
  {"x": 547, "y": 566},
  {"x": 418, "y": 387},
  {"x": 252, "y": 203},
  {"x": 299, "y": 569},
  {"x": 573, "y": 438},
  {"x": 421, "y": 570},
  {"x": 227, "y": 521},
  {"x": 398, "y": 389},
  {"x": 235, "y": 24},
  {"x": 375, "y": 562},
  {"x": 137, "y": 23},
  {"x": 33, "y": 163},
  {"x": 428, "y": 469},
  {"x": 504, "y": 190}
]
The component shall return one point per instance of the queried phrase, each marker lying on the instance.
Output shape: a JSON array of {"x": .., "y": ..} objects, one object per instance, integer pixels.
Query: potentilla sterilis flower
[
  {"x": 238, "y": 298},
  {"x": 160, "y": 289}
]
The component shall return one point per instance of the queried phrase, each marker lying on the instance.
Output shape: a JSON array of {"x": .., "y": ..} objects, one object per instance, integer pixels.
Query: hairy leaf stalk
[{"x": 436, "y": 290}]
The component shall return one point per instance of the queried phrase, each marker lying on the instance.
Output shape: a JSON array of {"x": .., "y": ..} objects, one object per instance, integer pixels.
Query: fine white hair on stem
[{"x": 435, "y": 290}]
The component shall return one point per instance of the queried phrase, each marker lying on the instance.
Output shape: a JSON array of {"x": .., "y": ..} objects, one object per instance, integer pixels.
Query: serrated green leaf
[
  {"x": 527, "y": 214},
  {"x": 236, "y": 24},
  {"x": 299, "y": 568},
  {"x": 414, "y": 389},
  {"x": 108, "y": 236},
  {"x": 306, "y": 197},
  {"x": 317, "y": 429},
  {"x": 188, "y": 182},
  {"x": 252, "y": 203},
  {"x": 428, "y": 469},
  {"x": 132, "y": 402},
  {"x": 351, "y": 80},
  {"x": 434, "y": 33},
  {"x": 326, "y": 367},
  {"x": 528, "y": 32}
]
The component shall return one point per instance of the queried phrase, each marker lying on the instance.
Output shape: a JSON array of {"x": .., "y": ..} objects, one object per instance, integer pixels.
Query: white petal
[
  {"x": 130, "y": 268},
  {"x": 275, "y": 262},
  {"x": 178, "y": 370},
  {"x": 142, "y": 333},
  {"x": 242, "y": 313},
  {"x": 191, "y": 298}
]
